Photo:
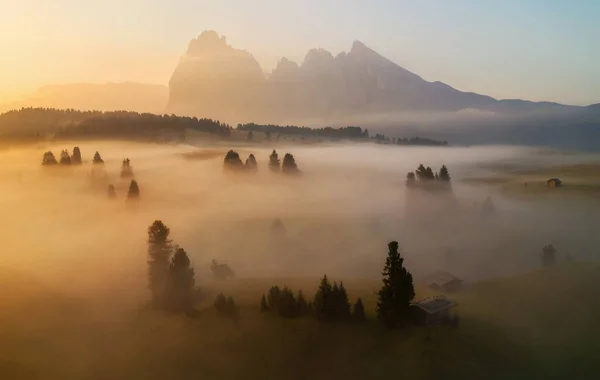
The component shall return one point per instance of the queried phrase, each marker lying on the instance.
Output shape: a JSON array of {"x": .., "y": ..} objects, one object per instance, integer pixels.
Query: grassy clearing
[{"x": 540, "y": 325}]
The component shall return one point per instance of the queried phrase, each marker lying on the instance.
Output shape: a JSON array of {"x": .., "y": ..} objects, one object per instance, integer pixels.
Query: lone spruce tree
[
  {"x": 76, "y": 156},
  {"x": 274, "y": 163},
  {"x": 97, "y": 158},
  {"x": 181, "y": 282},
  {"x": 134, "y": 190},
  {"x": 160, "y": 248},
  {"x": 444, "y": 175},
  {"x": 322, "y": 304},
  {"x": 263, "y": 304},
  {"x": 397, "y": 290},
  {"x": 358, "y": 311}
]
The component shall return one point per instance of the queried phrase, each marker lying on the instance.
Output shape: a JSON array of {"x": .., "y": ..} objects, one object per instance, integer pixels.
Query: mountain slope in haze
[
  {"x": 216, "y": 80},
  {"x": 100, "y": 97}
]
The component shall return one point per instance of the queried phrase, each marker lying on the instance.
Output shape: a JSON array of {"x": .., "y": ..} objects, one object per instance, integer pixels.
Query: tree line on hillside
[
  {"x": 425, "y": 175},
  {"x": 342, "y": 133},
  {"x": 68, "y": 123},
  {"x": 233, "y": 162}
]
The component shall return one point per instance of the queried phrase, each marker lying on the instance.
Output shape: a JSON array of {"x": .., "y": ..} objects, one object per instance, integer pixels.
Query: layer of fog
[{"x": 59, "y": 224}]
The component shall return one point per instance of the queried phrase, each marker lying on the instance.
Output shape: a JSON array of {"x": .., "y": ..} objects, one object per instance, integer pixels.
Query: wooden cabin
[
  {"x": 553, "y": 182},
  {"x": 443, "y": 282},
  {"x": 433, "y": 311}
]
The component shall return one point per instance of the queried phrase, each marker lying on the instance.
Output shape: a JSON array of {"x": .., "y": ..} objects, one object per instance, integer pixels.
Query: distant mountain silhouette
[
  {"x": 101, "y": 97},
  {"x": 216, "y": 80}
]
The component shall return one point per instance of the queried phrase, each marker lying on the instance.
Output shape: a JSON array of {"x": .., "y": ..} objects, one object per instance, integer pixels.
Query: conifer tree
[
  {"x": 251, "y": 164},
  {"x": 274, "y": 163},
  {"x": 397, "y": 290},
  {"x": 111, "y": 192},
  {"x": 97, "y": 159},
  {"x": 159, "y": 253},
  {"x": 181, "y": 282},
  {"x": 49, "y": 159},
  {"x": 232, "y": 161},
  {"x": 444, "y": 174},
  {"x": 410, "y": 179},
  {"x": 289, "y": 165},
  {"x": 263, "y": 304},
  {"x": 76, "y": 156},
  {"x": 221, "y": 304},
  {"x": 548, "y": 255},
  {"x": 322, "y": 303},
  {"x": 302, "y": 304},
  {"x": 273, "y": 297},
  {"x": 134, "y": 190},
  {"x": 250, "y": 136},
  {"x": 268, "y": 135},
  {"x": 65, "y": 159},
  {"x": 126, "y": 170},
  {"x": 342, "y": 304},
  {"x": 358, "y": 311},
  {"x": 287, "y": 306}
]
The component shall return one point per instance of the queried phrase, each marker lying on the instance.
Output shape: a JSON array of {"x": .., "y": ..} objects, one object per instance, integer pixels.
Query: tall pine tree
[
  {"x": 274, "y": 163},
  {"x": 444, "y": 174},
  {"x": 397, "y": 290},
  {"x": 322, "y": 303},
  {"x": 160, "y": 248},
  {"x": 358, "y": 311},
  {"x": 181, "y": 282},
  {"x": 76, "y": 156}
]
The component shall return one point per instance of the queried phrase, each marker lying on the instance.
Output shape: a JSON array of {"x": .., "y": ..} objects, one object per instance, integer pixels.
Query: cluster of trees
[
  {"x": 425, "y": 175},
  {"x": 65, "y": 159},
  {"x": 221, "y": 271},
  {"x": 40, "y": 123},
  {"x": 233, "y": 162},
  {"x": 343, "y": 133},
  {"x": 226, "y": 307},
  {"x": 330, "y": 303},
  {"x": 171, "y": 278},
  {"x": 288, "y": 166},
  {"x": 126, "y": 169}
]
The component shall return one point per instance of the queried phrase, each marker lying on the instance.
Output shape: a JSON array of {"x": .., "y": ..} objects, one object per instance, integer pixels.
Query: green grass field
[{"x": 539, "y": 325}]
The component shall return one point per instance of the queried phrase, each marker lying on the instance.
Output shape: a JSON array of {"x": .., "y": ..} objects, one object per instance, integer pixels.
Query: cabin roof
[
  {"x": 441, "y": 278},
  {"x": 434, "y": 305},
  {"x": 554, "y": 180}
]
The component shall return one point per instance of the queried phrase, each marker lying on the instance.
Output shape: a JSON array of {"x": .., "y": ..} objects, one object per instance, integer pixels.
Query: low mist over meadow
[{"x": 349, "y": 202}]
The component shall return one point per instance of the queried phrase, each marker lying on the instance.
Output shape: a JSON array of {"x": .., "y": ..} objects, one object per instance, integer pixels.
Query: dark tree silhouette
[
  {"x": 180, "y": 287},
  {"x": 134, "y": 190},
  {"x": 251, "y": 164},
  {"x": 358, "y": 311},
  {"x": 444, "y": 175},
  {"x": 548, "y": 255},
  {"x": 49, "y": 159},
  {"x": 160, "y": 248},
  {"x": 65, "y": 159},
  {"x": 111, "y": 192},
  {"x": 268, "y": 135},
  {"x": 287, "y": 306},
  {"x": 263, "y": 304},
  {"x": 76, "y": 156},
  {"x": 421, "y": 173},
  {"x": 231, "y": 309},
  {"x": 274, "y": 163},
  {"x": 232, "y": 161},
  {"x": 289, "y": 165},
  {"x": 273, "y": 297},
  {"x": 322, "y": 303},
  {"x": 342, "y": 304},
  {"x": 221, "y": 304},
  {"x": 302, "y": 305},
  {"x": 397, "y": 290},
  {"x": 97, "y": 159},
  {"x": 410, "y": 179},
  {"x": 250, "y": 136},
  {"x": 126, "y": 170},
  {"x": 221, "y": 271}
]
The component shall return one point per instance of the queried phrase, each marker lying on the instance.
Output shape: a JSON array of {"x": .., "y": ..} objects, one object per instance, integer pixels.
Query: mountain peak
[
  {"x": 207, "y": 41},
  {"x": 358, "y": 46}
]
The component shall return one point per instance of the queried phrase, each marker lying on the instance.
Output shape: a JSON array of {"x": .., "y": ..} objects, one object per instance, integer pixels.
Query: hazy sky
[{"x": 533, "y": 49}]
